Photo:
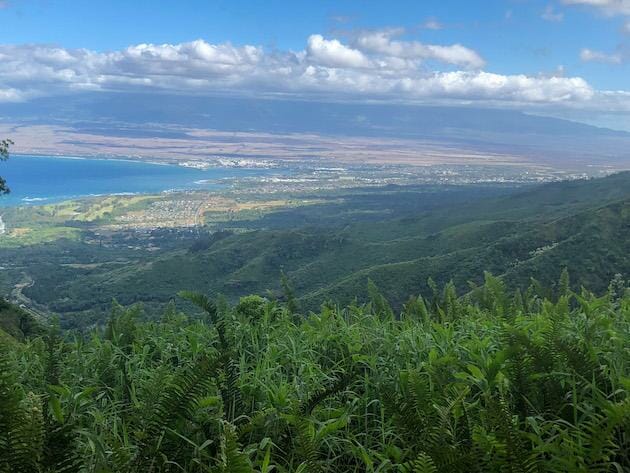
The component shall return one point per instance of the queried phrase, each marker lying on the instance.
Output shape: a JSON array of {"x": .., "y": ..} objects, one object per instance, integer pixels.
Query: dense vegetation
[
  {"x": 16, "y": 322},
  {"x": 4, "y": 155},
  {"x": 492, "y": 381},
  {"x": 396, "y": 236}
]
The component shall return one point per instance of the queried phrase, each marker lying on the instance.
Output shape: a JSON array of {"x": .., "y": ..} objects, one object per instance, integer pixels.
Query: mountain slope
[
  {"x": 15, "y": 323},
  {"x": 540, "y": 139},
  {"x": 535, "y": 232},
  {"x": 593, "y": 245}
]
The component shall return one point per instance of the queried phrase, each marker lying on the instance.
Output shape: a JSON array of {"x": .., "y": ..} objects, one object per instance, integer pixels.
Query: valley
[{"x": 83, "y": 254}]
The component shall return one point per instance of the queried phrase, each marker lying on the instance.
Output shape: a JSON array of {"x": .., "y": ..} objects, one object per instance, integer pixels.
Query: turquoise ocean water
[{"x": 42, "y": 179}]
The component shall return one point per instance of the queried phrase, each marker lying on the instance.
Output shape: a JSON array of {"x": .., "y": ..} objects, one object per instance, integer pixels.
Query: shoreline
[
  {"x": 220, "y": 162},
  {"x": 176, "y": 177},
  {"x": 129, "y": 159}
]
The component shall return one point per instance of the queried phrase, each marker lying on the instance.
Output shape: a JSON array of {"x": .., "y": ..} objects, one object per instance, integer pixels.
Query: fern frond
[
  {"x": 178, "y": 400},
  {"x": 422, "y": 464},
  {"x": 26, "y": 436},
  {"x": 10, "y": 409},
  {"x": 210, "y": 308},
  {"x": 232, "y": 459},
  {"x": 231, "y": 392}
]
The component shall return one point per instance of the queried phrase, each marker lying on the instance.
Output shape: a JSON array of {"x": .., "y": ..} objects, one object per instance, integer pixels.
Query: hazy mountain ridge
[
  {"x": 290, "y": 116},
  {"x": 539, "y": 139}
]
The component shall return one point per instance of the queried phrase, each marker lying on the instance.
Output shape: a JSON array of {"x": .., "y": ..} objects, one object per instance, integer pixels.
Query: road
[{"x": 24, "y": 302}]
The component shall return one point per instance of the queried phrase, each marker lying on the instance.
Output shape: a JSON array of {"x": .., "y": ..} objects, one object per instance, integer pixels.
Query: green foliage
[
  {"x": 4, "y": 155},
  {"x": 16, "y": 322},
  {"x": 486, "y": 382},
  {"x": 380, "y": 306},
  {"x": 289, "y": 294},
  {"x": 396, "y": 237}
]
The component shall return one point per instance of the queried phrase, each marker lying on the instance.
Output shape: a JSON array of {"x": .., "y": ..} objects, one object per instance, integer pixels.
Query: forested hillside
[
  {"x": 492, "y": 382},
  {"x": 16, "y": 323},
  {"x": 397, "y": 237}
]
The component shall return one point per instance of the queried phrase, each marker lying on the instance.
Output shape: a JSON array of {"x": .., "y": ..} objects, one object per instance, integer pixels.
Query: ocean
[{"x": 44, "y": 179}]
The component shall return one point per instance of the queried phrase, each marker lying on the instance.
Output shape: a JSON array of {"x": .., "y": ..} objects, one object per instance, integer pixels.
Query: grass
[{"x": 19, "y": 237}]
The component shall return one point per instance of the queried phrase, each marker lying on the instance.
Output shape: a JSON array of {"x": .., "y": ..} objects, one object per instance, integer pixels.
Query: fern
[
  {"x": 204, "y": 303},
  {"x": 306, "y": 444},
  {"x": 500, "y": 384},
  {"x": 10, "y": 409},
  {"x": 178, "y": 400},
  {"x": 516, "y": 458},
  {"x": 230, "y": 391},
  {"x": 59, "y": 449},
  {"x": 232, "y": 459},
  {"x": 422, "y": 464},
  {"x": 26, "y": 436}
]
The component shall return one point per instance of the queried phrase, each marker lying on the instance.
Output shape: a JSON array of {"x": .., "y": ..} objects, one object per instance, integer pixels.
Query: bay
[{"x": 45, "y": 179}]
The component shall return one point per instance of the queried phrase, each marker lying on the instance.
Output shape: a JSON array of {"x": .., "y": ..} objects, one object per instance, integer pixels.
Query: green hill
[{"x": 532, "y": 232}]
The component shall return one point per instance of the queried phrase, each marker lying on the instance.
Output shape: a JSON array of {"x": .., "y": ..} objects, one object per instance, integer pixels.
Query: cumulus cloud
[
  {"x": 383, "y": 42},
  {"x": 333, "y": 53},
  {"x": 489, "y": 86},
  {"x": 372, "y": 65}
]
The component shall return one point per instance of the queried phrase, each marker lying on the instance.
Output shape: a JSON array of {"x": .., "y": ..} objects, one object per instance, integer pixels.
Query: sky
[{"x": 560, "y": 57}]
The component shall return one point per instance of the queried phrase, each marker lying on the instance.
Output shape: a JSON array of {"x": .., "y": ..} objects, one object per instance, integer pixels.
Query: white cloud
[
  {"x": 609, "y": 7},
  {"x": 11, "y": 95},
  {"x": 333, "y": 53},
  {"x": 588, "y": 55},
  {"x": 382, "y": 42},
  {"x": 489, "y": 86},
  {"x": 372, "y": 66},
  {"x": 550, "y": 14}
]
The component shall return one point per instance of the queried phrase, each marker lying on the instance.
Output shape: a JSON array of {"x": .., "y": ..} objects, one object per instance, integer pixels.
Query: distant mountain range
[{"x": 547, "y": 140}]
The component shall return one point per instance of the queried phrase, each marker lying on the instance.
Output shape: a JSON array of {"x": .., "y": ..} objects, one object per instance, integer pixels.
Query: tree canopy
[{"x": 4, "y": 155}]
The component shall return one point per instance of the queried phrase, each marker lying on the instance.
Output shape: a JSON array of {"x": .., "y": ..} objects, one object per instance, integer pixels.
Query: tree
[{"x": 4, "y": 155}]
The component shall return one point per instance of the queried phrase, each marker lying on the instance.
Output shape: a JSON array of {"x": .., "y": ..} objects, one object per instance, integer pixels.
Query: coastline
[
  {"x": 129, "y": 159},
  {"x": 40, "y": 179},
  {"x": 218, "y": 162}
]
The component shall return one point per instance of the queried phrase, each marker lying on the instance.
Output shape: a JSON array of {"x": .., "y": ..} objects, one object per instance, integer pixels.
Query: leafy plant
[{"x": 485, "y": 382}]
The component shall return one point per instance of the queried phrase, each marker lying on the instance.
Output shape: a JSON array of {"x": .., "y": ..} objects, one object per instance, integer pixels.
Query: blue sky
[{"x": 555, "y": 44}]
